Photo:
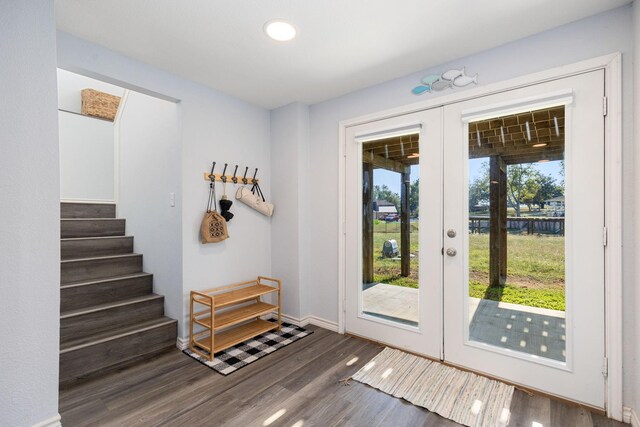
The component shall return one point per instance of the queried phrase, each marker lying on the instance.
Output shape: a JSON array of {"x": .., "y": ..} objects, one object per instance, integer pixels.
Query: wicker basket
[{"x": 99, "y": 104}]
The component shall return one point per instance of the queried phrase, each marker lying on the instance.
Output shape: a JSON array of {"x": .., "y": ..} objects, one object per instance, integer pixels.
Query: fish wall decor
[{"x": 447, "y": 80}]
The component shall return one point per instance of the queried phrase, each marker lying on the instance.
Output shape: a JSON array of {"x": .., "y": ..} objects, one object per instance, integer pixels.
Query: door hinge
[
  {"x": 605, "y": 367},
  {"x": 604, "y": 236},
  {"x": 604, "y": 106}
]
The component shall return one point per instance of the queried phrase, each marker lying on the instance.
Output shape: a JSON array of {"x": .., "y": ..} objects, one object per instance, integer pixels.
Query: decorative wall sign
[{"x": 446, "y": 80}]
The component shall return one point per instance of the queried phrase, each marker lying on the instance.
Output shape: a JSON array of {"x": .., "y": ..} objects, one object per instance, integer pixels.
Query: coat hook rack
[{"x": 223, "y": 177}]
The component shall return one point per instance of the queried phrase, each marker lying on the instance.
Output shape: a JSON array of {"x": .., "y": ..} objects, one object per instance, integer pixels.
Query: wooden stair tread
[
  {"x": 107, "y": 306},
  {"x": 100, "y": 258},
  {"x": 104, "y": 280},
  {"x": 239, "y": 295},
  {"x": 73, "y": 239},
  {"x": 237, "y": 315},
  {"x": 237, "y": 334},
  {"x": 91, "y": 219},
  {"x": 115, "y": 333}
]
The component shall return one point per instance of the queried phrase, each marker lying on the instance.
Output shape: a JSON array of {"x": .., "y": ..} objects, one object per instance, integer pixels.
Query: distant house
[
  {"x": 555, "y": 205},
  {"x": 382, "y": 208}
]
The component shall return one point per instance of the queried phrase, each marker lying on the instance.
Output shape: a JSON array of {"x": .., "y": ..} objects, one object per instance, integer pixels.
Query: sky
[{"x": 392, "y": 179}]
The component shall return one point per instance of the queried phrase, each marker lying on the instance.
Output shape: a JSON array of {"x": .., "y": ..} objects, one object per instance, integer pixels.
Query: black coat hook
[
  {"x": 223, "y": 178},
  {"x": 244, "y": 178},
  {"x": 254, "y": 176},
  {"x": 211, "y": 176},
  {"x": 235, "y": 179}
]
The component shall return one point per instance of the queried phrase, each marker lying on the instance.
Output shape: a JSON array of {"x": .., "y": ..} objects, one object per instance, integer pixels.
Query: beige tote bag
[{"x": 254, "y": 201}]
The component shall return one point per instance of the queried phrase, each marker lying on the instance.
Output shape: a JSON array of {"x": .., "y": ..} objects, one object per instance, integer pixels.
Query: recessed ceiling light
[
  {"x": 541, "y": 144},
  {"x": 279, "y": 30}
]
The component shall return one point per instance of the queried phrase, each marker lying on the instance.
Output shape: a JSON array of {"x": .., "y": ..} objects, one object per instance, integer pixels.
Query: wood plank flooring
[{"x": 298, "y": 385}]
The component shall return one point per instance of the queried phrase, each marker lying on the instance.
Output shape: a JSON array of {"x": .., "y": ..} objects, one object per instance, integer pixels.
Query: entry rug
[
  {"x": 463, "y": 397},
  {"x": 240, "y": 355}
]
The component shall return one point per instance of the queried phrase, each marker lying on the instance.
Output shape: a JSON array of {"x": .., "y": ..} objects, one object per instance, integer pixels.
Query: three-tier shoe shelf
[{"x": 231, "y": 314}]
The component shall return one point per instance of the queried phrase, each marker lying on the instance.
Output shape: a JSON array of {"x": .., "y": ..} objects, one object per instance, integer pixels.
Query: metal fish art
[
  {"x": 465, "y": 80},
  {"x": 447, "y": 80},
  {"x": 441, "y": 85},
  {"x": 428, "y": 80},
  {"x": 419, "y": 90},
  {"x": 452, "y": 74}
]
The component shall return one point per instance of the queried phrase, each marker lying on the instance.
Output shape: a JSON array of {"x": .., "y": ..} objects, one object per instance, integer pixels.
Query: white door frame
[{"x": 613, "y": 197}]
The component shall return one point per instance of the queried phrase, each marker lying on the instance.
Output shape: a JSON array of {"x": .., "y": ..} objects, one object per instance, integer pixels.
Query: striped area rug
[{"x": 463, "y": 397}]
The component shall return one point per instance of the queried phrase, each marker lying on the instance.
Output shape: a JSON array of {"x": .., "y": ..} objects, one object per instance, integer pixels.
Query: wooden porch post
[
  {"x": 405, "y": 225},
  {"x": 498, "y": 222},
  {"x": 367, "y": 222}
]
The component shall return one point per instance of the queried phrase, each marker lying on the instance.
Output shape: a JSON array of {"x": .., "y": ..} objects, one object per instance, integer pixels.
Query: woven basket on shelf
[{"x": 99, "y": 104}]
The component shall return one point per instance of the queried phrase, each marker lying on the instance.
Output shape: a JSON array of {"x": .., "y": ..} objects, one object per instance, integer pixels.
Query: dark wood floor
[{"x": 300, "y": 383}]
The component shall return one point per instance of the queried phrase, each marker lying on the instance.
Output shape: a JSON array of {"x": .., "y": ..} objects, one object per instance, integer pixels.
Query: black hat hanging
[{"x": 225, "y": 203}]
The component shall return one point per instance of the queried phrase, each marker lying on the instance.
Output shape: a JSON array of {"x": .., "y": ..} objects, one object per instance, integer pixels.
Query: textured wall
[{"x": 30, "y": 214}]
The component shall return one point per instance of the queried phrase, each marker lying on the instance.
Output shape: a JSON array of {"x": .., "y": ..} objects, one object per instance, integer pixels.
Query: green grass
[{"x": 535, "y": 268}]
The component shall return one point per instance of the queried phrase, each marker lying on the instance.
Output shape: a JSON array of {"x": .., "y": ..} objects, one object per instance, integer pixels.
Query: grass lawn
[{"x": 535, "y": 268}]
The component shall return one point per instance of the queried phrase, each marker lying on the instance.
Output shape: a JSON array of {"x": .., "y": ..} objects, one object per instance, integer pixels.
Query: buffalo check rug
[{"x": 240, "y": 355}]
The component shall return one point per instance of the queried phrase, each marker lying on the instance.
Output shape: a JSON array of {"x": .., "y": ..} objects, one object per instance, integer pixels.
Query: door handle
[{"x": 451, "y": 252}]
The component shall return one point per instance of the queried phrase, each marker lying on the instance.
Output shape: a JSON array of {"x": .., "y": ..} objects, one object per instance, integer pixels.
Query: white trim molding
[
  {"x": 50, "y": 422},
  {"x": 630, "y": 416},
  {"x": 309, "y": 320},
  {"x": 182, "y": 343},
  {"x": 611, "y": 64}
]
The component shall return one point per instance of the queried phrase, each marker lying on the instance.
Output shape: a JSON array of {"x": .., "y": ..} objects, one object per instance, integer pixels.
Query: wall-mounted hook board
[{"x": 207, "y": 177}]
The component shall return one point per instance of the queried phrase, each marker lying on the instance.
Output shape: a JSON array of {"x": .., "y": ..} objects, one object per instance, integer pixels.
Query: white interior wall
[
  {"x": 86, "y": 158},
  {"x": 149, "y": 171},
  {"x": 634, "y": 285},
  {"x": 215, "y": 127},
  {"x": 289, "y": 141},
  {"x": 598, "y": 35},
  {"x": 71, "y": 84},
  {"x": 30, "y": 215}
]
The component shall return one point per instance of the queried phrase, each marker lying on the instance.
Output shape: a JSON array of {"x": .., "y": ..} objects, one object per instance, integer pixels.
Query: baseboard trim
[
  {"x": 182, "y": 343},
  {"x": 630, "y": 416},
  {"x": 51, "y": 422},
  {"x": 310, "y": 320},
  {"x": 323, "y": 323}
]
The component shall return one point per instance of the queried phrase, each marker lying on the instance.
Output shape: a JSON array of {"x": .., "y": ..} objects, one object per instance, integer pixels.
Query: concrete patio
[{"x": 531, "y": 330}]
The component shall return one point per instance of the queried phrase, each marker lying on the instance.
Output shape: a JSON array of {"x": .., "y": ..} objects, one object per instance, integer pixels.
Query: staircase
[{"x": 109, "y": 315}]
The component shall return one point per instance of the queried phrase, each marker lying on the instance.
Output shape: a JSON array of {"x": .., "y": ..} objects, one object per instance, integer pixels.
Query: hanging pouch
[
  {"x": 254, "y": 201},
  {"x": 214, "y": 226}
]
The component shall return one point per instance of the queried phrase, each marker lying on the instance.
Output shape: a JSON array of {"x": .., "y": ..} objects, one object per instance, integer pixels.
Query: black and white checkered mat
[{"x": 238, "y": 356}]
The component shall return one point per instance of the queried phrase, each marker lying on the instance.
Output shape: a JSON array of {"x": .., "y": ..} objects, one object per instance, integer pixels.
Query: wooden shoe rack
[{"x": 229, "y": 315}]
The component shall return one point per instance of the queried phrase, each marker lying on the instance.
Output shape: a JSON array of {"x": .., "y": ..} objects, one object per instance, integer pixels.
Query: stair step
[
  {"x": 88, "y": 321},
  {"x": 103, "y": 291},
  {"x": 114, "y": 349},
  {"x": 94, "y": 227},
  {"x": 80, "y": 270},
  {"x": 87, "y": 210},
  {"x": 84, "y": 247}
]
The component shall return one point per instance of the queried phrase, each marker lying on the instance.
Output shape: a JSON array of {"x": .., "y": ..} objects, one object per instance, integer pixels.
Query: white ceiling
[{"x": 342, "y": 45}]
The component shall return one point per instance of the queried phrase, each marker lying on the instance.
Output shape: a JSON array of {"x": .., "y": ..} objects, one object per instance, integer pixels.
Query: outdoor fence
[
  {"x": 521, "y": 225},
  {"x": 480, "y": 225},
  {"x": 392, "y": 227}
]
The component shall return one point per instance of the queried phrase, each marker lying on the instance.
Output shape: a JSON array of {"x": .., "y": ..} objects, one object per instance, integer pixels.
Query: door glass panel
[
  {"x": 516, "y": 232},
  {"x": 390, "y": 171}
]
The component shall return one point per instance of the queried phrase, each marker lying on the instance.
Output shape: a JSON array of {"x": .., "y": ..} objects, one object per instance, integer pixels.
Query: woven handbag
[{"x": 214, "y": 226}]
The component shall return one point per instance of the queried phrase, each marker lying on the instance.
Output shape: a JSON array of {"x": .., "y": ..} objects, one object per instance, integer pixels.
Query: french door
[
  {"x": 384, "y": 159},
  {"x": 491, "y": 256}
]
